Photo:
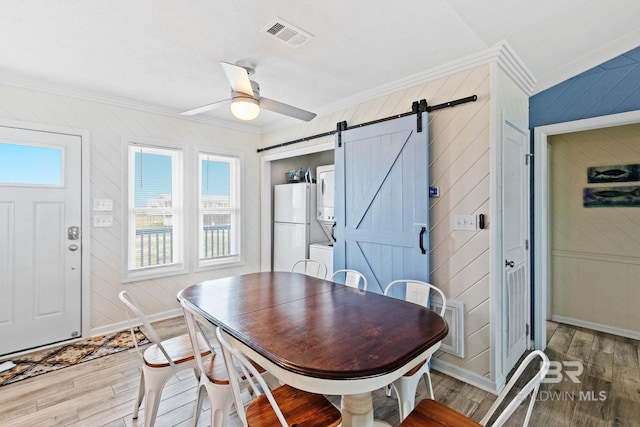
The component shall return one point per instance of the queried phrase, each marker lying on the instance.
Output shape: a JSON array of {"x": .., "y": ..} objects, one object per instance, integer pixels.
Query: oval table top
[{"x": 317, "y": 328}]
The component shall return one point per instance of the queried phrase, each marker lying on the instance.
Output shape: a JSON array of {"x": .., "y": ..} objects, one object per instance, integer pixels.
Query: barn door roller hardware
[{"x": 418, "y": 107}]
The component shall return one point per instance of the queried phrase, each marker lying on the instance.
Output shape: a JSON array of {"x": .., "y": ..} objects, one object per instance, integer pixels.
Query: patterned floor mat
[{"x": 43, "y": 361}]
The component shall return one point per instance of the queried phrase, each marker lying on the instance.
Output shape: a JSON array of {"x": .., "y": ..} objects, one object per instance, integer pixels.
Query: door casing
[{"x": 541, "y": 226}]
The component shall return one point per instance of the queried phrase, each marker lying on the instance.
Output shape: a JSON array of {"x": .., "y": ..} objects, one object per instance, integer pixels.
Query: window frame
[
  {"x": 178, "y": 204},
  {"x": 236, "y": 184}
]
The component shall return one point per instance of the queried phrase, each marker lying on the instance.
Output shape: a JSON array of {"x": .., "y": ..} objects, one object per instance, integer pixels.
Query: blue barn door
[{"x": 381, "y": 201}]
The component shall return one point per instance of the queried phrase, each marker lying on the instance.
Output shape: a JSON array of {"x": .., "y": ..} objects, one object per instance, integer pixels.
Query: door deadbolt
[{"x": 73, "y": 233}]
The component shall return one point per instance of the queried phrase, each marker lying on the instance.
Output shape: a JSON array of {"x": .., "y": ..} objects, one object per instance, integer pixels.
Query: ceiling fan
[{"x": 246, "y": 101}]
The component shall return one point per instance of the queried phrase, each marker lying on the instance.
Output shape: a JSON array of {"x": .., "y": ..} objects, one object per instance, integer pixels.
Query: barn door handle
[
  {"x": 421, "y": 240},
  {"x": 508, "y": 263}
]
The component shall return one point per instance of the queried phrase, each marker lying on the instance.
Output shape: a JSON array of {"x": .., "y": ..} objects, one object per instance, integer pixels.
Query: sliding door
[{"x": 381, "y": 203}]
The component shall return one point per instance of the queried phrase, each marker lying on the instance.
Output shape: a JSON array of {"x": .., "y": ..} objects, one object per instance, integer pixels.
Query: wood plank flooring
[{"x": 102, "y": 392}]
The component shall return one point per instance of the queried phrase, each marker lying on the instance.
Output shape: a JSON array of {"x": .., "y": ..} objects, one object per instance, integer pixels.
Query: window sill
[
  {"x": 153, "y": 273},
  {"x": 219, "y": 264}
]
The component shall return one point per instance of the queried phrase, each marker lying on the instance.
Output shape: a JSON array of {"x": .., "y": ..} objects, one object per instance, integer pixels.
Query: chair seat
[
  {"x": 178, "y": 348},
  {"x": 216, "y": 371},
  {"x": 300, "y": 408},
  {"x": 434, "y": 414},
  {"x": 415, "y": 369}
]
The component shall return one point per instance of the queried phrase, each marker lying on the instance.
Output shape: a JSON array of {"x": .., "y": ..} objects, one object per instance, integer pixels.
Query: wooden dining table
[{"x": 320, "y": 336}]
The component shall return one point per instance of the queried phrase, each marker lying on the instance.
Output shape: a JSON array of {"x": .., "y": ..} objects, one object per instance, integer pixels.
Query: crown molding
[
  {"x": 512, "y": 64},
  {"x": 595, "y": 57},
  {"x": 123, "y": 102},
  {"x": 501, "y": 52}
]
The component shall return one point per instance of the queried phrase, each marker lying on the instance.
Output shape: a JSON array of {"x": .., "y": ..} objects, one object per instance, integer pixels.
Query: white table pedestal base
[{"x": 357, "y": 411}]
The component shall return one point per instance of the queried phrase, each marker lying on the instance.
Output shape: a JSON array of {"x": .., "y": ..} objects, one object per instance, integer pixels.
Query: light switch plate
[
  {"x": 102, "y": 205},
  {"x": 464, "y": 222}
]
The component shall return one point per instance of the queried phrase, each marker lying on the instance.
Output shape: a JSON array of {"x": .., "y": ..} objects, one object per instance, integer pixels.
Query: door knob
[
  {"x": 73, "y": 233},
  {"x": 73, "y": 248},
  {"x": 508, "y": 263}
]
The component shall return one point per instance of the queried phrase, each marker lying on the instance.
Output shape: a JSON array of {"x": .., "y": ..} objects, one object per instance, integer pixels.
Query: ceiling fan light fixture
[{"x": 245, "y": 108}]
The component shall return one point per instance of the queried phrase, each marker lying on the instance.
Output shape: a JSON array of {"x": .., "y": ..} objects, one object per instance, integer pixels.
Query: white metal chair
[
  {"x": 214, "y": 379},
  {"x": 283, "y": 405},
  {"x": 160, "y": 361},
  {"x": 310, "y": 267},
  {"x": 352, "y": 278},
  {"x": 430, "y": 412},
  {"x": 213, "y": 373},
  {"x": 417, "y": 292}
]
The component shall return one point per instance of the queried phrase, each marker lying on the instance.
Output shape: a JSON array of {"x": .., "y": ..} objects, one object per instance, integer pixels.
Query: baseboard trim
[
  {"x": 597, "y": 327},
  {"x": 464, "y": 375},
  {"x": 120, "y": 326}
]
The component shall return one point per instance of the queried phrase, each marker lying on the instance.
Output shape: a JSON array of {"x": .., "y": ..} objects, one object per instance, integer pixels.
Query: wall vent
[
  {"x": 287, "y": 33},
  {"x": 454, "y": 315}
]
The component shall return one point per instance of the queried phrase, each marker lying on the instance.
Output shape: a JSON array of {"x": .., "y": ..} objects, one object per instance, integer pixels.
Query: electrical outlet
[
  {"x": 103, "y": 221},
  {"x": 464, "y": 222}
]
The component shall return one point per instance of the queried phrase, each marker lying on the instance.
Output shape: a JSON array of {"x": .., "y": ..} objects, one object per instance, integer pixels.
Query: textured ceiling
[{"x": 164, "y": 55}]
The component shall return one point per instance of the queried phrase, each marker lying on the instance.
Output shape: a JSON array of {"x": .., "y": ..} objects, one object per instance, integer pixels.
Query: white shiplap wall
[
  {"x": 107, "y": 126},
  {"x": 459, "y": 152}
]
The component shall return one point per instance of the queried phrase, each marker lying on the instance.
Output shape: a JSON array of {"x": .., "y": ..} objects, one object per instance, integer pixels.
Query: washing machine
[{"x": 323, "y": 252}]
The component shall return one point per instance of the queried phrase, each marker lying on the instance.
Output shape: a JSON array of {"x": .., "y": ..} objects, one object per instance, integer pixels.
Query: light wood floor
[{"x": 101, "y": 392}]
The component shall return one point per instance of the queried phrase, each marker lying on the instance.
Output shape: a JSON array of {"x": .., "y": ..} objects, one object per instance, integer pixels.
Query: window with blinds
[
  {"x": 219, "y": 213},
  {"x": 155, "y": 211}
]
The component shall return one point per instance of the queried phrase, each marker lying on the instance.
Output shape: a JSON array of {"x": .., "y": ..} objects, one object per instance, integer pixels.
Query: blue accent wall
[{"x": 610, "y": 88}]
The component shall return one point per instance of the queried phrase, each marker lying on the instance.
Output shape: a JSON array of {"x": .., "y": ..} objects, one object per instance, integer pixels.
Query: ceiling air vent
[{"x": 287, "y": 33}]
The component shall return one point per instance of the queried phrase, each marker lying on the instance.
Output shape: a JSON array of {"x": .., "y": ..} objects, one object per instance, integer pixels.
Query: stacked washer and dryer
[{"x": 323, "y": 251}]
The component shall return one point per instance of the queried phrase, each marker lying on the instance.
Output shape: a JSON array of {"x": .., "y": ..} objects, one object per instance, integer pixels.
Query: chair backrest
[
  {"x": 310, "y": 267},
  {"x": 417, "y": 292},
  {"x": 241, "y": 369},
  {"x": 531, "y": 388},
  {"x": 352, "y": 278},
  {"x": 197, "y": 335},
  {"x": 134, "y": 309}
]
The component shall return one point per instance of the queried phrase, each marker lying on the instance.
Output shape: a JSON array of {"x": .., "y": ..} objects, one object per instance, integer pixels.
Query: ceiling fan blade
[
  {"x": 287, "y": 110},
  {"x": 238, "y": 78},
  {"x": 204, "y": 108}
]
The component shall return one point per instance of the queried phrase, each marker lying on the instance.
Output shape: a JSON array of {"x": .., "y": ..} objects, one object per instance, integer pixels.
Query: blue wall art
[
  {"x": 611, "y": 197},
  {"x": 618, "y": 173}
]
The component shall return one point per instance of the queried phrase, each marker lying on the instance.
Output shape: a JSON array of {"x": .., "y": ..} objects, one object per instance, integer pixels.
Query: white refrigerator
[{"x": 295, "y": 225}]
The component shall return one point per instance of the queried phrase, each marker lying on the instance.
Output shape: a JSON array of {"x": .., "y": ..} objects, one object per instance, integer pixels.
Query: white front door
[
  {"x": 515, "y": 229},
  {"x": 40, "y": 240}
]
